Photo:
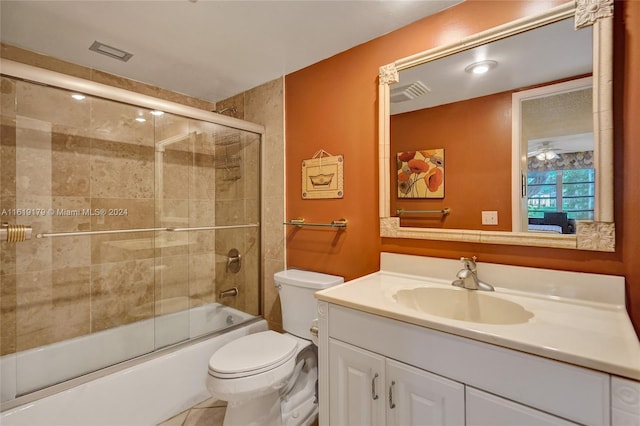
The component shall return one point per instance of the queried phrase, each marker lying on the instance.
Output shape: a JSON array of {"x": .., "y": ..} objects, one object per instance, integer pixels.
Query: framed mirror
[{"x": 461, "y": 173}]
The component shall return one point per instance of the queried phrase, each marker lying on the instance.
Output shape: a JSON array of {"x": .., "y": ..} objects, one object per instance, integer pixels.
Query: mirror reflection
[
  {"x": 556, "y": 132},
  {"x": 474, "y": 123},
  {"x": 463, "y": 106}
]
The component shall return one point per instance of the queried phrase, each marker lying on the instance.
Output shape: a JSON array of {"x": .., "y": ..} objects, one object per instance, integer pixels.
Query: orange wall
[
  {"x": 476, "y": 137},
  {"x": 333, "y": 105}
]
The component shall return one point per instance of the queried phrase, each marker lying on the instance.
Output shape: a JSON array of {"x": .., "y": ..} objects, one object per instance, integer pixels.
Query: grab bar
[
  {"x": 444, "y": 211},
  {"x": 129, "y": 231},
  {"x": 340, "y": 223}
]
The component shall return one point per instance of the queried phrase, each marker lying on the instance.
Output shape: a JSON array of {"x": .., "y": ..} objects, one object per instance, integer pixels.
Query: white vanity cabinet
[
  {"x": 369, "y": 389},
  {"x": 625, "y": 402},
  {"x": 417, "y": 397},
  {"x": 357, "y": 381},
  {"x": 366, "y": 358}
]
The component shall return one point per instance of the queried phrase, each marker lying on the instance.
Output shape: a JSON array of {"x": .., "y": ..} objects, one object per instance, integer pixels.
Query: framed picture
[
  {"x": 421, "y": 173},
  {"x": 322, "y": 177}
]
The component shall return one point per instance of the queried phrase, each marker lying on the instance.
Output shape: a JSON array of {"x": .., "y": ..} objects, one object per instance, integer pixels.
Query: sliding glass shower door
[{"x": 137, "y": 220}]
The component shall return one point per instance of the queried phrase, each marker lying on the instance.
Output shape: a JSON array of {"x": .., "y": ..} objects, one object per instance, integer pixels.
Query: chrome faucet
[{"x": 468, "y": 276}]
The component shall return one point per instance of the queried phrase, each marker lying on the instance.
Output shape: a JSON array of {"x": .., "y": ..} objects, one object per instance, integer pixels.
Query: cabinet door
[
  {"x": 484, "y": 409},
  {"x": 356, "y": 386},
  {"x": 625, "y": 402},
  {"x": 416, "y": 397}
]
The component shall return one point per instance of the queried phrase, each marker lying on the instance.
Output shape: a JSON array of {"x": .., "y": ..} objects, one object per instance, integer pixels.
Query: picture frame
[
  {"x": 421, "y": 173},
  {"x": 323, "y": 177}
]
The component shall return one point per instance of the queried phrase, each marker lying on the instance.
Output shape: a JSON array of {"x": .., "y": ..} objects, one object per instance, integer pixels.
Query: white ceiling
[{"x": 209, "y": 49}]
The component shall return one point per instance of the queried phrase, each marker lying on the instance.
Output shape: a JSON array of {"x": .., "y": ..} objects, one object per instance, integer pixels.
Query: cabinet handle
[
  {"x": 374, "y": 394},
  {"x": 392, "y": 404}
]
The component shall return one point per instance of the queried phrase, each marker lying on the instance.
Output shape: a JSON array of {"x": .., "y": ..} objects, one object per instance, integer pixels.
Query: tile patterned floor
[{"x": 209, "y": 413}]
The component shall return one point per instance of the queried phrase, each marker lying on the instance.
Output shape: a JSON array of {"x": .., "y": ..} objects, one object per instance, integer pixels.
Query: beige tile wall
[
  {"x": 265, "y": 105},
  {"x": 74, "y": 285}
]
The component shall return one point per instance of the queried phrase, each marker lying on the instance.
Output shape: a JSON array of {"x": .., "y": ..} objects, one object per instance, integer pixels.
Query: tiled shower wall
[
  {"x": 61, "y": 159},
  {"x": 265, "y": 105}
]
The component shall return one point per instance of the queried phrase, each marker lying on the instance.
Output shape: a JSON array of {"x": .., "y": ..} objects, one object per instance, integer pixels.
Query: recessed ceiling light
[
  {"x": 141, "y": 119},
  {"x": 481, "y": 67},
  {"x": 78, "y": 96},
  {"x": 156, "y": 112},
  {"x": 110, "y": 51}
]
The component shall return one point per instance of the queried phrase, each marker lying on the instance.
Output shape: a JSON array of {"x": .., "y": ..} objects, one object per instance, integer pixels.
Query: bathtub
[{"x": 143, "y": 391}]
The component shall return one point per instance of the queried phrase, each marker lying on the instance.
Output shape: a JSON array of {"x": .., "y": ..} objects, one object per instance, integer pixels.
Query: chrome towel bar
[
  {"x": 340, "y": 223},
  {"x": 444, "y": 211}
]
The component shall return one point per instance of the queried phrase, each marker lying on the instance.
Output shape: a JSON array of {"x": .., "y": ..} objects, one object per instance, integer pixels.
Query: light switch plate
[{"x": 489, "y": 218}]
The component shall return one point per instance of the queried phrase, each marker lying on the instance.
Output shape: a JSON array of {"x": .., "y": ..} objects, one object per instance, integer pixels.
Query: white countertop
[{"x": 580, "y": 331}]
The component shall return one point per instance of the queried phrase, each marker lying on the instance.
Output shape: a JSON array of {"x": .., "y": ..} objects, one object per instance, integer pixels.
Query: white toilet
[{"x": 269, "y": 378}]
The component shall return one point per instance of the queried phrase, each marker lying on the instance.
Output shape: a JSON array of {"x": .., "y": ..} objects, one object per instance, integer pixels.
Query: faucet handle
[{"x": 469, "y": 262}]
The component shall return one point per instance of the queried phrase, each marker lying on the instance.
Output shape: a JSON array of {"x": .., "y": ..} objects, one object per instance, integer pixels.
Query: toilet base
[
  {"x": 260, "y": 411},
  {"x": 300, "y": 405},
  {"x": 283, "y": 396}
]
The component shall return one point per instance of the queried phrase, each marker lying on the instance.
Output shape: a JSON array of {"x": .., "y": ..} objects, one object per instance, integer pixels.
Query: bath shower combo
[{"x": 119, "y": 210}]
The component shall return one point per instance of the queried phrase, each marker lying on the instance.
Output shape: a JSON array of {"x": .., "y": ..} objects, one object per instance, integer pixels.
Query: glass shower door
[
  {"x": 75, "y": 169},
  {"x": 207, "y": 196},
  {"x": 145, "y": 232}
]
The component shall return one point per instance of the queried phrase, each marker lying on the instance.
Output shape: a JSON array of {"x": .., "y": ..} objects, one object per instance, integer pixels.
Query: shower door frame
[{"x": 63, "y": 81}]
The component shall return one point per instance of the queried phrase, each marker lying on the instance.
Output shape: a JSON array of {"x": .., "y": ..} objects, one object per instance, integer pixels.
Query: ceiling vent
[
  {"x": 110, "y": 51},
  {"x": 408, "y": 92}
]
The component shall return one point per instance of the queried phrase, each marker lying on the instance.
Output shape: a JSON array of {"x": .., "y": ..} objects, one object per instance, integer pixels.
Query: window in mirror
[
  {"x": 556, "y": 133},
  {"x": 569, "y": 193}
]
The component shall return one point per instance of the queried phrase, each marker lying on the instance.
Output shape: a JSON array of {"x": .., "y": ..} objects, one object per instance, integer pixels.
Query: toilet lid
[{"x": 252, "y": 354}]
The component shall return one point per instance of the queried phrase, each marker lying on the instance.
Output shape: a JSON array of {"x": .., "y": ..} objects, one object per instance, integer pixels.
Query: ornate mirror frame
[{"x": 596, "y": 235}]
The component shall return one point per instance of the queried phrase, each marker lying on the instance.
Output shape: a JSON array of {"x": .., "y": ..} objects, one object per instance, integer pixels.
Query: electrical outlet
[{"x": 489, "y": 218}]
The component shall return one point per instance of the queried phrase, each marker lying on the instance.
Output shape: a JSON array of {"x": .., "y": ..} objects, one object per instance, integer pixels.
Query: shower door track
[{"x": 128, "y": 231}]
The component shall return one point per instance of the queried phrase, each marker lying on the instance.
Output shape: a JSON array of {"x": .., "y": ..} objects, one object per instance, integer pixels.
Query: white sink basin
[{"x": 464, "y": 305}]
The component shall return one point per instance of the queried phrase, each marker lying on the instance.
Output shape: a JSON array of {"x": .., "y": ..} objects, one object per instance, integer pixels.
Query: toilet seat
[{"x": 252, "y": 354}]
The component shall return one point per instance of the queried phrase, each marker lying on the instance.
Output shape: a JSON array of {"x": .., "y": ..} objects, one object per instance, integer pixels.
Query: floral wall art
[{"x": 421, "y": 173}]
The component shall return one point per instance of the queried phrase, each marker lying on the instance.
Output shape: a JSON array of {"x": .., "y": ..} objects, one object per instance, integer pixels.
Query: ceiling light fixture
[
  {"x": 481, "y": 67},
  {"x": 110, "y": 51},
  {"x": 546, "y": 155},
  {"x": 157, "y": 113},
  {"x": 78, "y": 96}
]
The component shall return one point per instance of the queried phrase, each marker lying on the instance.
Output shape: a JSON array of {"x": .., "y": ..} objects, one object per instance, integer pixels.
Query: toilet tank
[{"x": 299, "y": 307}]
